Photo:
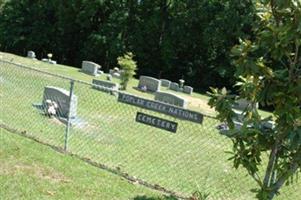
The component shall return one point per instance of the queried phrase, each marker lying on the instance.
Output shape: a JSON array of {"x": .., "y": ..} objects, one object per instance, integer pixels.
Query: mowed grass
[
  {"x": 192, "y": 159},
  {"x": 29, "y": 170}
]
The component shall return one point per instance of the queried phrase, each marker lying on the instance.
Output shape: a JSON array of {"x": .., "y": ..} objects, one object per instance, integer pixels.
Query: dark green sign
[
  {"x": 161, "y": 107},
  {"x": 156, "y": 122}
]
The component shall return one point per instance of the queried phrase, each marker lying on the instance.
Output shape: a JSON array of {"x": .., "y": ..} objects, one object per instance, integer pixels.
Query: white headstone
[
  {"x": 61, "y": 97},
  {"x": 90, "y": 68}
]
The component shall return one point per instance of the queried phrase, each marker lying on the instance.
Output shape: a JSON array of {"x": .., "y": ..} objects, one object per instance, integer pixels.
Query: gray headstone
[
  {"x": 187, "y": 89},
  {"x": 165, "y": 83},
  {"x": 104, "y": 85},
  {"x": 90, "y": 68},
  {"x": 174, "y": 86},
  {"x": 242, "y": 104},
  {"x": 152, "y": 84},
  {"x": 31, "y": 54},
  {"x": 171, "y": 99},
  {"x": 116, "y": 73},
  {"x": 61, "y": 97}
]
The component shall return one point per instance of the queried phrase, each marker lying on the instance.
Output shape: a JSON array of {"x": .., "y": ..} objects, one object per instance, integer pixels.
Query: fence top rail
[
  {"x": 44, "y": 72},
  {"x": 75, "y": 80}
]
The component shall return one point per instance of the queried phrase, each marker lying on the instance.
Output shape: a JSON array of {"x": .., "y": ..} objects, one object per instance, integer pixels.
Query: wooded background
[{"x": 172, "y": 39}]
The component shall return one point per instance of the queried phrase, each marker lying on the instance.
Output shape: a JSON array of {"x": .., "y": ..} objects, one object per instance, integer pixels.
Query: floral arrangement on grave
[{"x": 129, "y": 67}]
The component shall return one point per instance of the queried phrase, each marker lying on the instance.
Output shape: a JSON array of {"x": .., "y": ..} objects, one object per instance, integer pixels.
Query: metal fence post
[{"x": 68, "y": 117}]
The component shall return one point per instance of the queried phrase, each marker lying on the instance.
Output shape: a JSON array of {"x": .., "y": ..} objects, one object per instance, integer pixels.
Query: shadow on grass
[
  {"x": 155, "y": 198},
  {"x": 147, "y": 92}
]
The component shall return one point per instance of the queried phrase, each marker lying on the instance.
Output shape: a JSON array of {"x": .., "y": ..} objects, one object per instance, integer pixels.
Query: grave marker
[
  {"x": 188, "y": 89},
  {"x": 152, "y": 84},
  {"x": 90, "y": 68},
  {"x": 171, "y": 99},
  {"x": 174, "y": 86},
  {"x": 165, "y": 83},
  {"x": 61, "y": 97},
  {"x": 105, "y": 85}
]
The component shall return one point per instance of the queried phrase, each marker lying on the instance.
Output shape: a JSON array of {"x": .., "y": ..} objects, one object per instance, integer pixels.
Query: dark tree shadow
[{"x": 154, "y": 198}]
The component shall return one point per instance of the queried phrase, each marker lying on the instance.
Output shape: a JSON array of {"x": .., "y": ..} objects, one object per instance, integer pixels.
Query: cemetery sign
[
  {"x": 161, "y": 107},
  {"x": 156, "y": 122}
]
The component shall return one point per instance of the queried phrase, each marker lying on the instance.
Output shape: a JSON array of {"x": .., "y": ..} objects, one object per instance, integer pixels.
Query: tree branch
[
  {"x": 276, "y": 186},
  {"x": 270, "y": 167}
]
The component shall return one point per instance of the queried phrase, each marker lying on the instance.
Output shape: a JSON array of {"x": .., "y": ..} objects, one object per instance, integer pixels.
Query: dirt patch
[
  {"x": 200, "y": 104},
  {"x": 35, "y": 170}
]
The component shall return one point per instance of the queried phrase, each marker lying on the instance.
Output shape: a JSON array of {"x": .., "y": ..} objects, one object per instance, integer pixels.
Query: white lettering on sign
[
  {"x": 156, "y": 122},
  {"x": 161, "y": 107}
]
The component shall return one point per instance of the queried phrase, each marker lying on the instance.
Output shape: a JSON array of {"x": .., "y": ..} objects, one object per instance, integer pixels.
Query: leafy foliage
[
  {"x": 129, "y": 67},
  {"x": 269, "y": 72},
  {"x": 173, "y": 39}
]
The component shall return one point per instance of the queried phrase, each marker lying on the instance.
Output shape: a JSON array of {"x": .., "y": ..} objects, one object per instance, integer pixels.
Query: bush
[{"x": 129, "y": 66}]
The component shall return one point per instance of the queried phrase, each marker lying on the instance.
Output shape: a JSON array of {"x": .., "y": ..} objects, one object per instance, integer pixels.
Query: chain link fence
[{"x": 104, "y": 131}]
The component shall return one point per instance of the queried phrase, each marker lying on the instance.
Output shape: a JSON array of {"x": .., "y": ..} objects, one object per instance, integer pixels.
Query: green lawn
[
  {"x": 192, "y": 159},
  {"x": 29, "y": 170}
]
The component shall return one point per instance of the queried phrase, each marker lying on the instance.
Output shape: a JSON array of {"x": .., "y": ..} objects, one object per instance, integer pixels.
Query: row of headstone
[
  {"x": 176, "y": 87},
  {"x": 241, "y": 105},
  {"x": 32, "y": 55},
  {"x": 153, "y": 85},
  {"x": 172, "y": 99},
  {"x": 62, "y": 98},
  {"x": 239, "y": 109}
]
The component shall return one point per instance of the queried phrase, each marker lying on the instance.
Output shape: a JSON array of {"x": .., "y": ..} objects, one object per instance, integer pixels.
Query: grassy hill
[
  {"x": 192, "y": 159},
  {"x": 29, "y": 170}
]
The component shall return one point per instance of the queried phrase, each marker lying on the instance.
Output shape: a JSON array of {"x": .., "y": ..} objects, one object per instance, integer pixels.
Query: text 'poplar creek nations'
[{"x": 161, "y": 107}]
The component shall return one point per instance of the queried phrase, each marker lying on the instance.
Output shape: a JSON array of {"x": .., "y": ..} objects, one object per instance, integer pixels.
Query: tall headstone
[
  {"x": 187, "y": 89},
  {"x": 171, "y": 99},
  {"x": 151, "y": 84},
  {"x": 165, "y": 83},
  {"x": 174, "y": 86},
  {"x": 61, "y": 97},
  {"x": 90, "y": 68}
]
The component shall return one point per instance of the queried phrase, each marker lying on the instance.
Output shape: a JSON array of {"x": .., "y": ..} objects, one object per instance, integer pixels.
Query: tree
[
  {"x": 129, "y": 67},
  {"x": 28, "y": 25},
  {"x": 269, "y": 70}
]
